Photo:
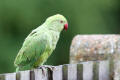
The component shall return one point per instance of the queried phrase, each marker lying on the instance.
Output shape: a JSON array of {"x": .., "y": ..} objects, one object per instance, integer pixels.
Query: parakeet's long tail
[
  {"x": 17, "y": 69},
  {"x": 22, "y": 68}
]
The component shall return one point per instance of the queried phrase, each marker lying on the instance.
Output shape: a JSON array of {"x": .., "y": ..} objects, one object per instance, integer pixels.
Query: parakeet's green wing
[{"x": 32, "y": 49}]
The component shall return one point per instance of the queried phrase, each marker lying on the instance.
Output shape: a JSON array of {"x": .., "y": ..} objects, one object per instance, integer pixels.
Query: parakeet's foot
[{"x": 46, "y": 66}]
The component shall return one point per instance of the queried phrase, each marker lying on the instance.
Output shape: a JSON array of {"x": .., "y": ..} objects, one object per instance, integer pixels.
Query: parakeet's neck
[
  {"x": 54, "y": 27},
  {"x": 54, "y": 34},
  {"x": 55, "y": 37}
]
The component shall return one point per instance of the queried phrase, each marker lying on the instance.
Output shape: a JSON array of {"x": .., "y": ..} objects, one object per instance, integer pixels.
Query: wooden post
[
  {"x": 23, "y": 75},
  {"x": 57, "y": 73},
  {"x": 91, "y": 70}
]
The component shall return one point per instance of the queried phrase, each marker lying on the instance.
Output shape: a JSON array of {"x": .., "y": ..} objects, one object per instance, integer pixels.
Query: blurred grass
[{"x": 18, "y": 18}]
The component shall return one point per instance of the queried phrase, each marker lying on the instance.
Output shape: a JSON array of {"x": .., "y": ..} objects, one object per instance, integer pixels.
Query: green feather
[{"x": 39, "y": 44}]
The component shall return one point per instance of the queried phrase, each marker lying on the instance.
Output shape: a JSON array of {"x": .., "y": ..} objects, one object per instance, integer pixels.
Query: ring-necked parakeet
[{"x": 40, "y": 43}]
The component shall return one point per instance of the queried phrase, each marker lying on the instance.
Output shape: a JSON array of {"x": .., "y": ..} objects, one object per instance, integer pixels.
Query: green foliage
[{"x": 19, "y": 17}]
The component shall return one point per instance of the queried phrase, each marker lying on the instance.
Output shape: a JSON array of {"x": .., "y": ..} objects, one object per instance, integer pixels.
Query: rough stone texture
[
  {"x": 94, "y": 47},
  {"x": 98, "y": 48}
]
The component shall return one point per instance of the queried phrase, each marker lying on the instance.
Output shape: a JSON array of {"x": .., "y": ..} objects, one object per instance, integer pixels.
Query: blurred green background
[{"x": 19, "y": 17}]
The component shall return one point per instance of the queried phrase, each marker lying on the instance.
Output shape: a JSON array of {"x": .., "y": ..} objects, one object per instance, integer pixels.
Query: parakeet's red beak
[{"x": 65, "y": 26}]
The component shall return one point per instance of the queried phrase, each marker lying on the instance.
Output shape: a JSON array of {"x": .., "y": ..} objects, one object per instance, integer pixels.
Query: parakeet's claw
[
  {"x": 51, "y": 68},
  {"x": 46, "y": 67},
  {"x": 42, "y": 68}
]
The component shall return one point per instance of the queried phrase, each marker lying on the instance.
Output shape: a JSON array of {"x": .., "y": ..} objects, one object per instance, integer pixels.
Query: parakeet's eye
[{"x": 61, "y": 21}]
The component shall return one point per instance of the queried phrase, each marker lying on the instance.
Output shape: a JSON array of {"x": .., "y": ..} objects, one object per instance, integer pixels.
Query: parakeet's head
[{"x": 57, "y": 22}]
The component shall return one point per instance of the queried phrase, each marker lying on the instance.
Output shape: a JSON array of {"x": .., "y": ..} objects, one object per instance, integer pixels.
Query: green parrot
[{"x": 40, "y": 43}]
